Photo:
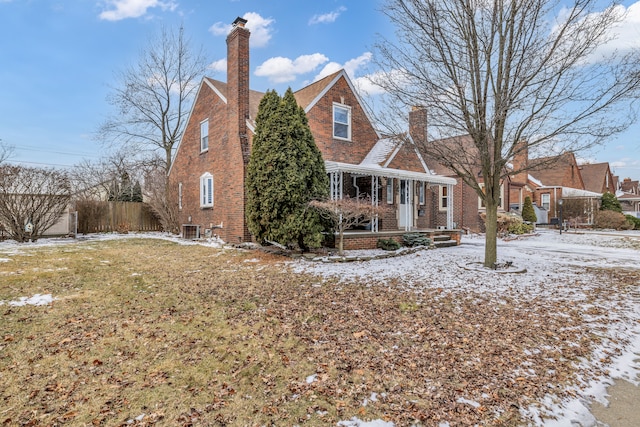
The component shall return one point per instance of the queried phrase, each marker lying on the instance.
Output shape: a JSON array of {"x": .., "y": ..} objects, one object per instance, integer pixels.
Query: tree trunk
[
  {"x": 491, "y": 236},
  {"x": 341, "y": 242}
]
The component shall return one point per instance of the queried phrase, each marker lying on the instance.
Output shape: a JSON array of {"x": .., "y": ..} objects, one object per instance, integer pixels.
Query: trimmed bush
[
  {"x": 611, "y": 220},
  {"x": 415, "y": 239},
  {"x": 388, "y": 244},
  {"x": 633, "y": 221},
  {"x": 520, "y": 228}
]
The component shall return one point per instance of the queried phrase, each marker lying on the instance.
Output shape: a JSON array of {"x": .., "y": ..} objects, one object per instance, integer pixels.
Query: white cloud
[
  {"x": 261, "y": 29},
  {"x": 282, "y": 70},
  {"x": 123, "y": 9},
  {"x": 327, "y": 18},
  {"x": 218, "y": 66},
  {"x": 351, "y": 66}
]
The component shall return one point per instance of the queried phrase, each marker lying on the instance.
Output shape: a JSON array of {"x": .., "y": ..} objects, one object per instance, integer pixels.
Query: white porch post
[
  {"x": 336, "y": 185},
  {"x": 375, "y": 186},
  {"x": 449, "y": 206}
]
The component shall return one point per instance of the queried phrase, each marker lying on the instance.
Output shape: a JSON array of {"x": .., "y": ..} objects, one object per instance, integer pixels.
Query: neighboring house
[
  {"x": 629, "y": 197},
  {"x": 209, "y": 166},
  {"x": 561, "y": 182},
  {"x": 597, "y": 178}
]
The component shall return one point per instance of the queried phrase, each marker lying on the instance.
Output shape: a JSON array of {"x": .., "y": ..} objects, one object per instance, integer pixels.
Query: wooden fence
[{"x": 100, "y": 217}]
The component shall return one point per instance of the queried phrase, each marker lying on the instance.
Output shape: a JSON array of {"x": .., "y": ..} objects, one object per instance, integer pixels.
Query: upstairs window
[
  {"x": 206, "y": 191},
  {"x": 204, "y": 135},
  {"x": 341, "y": 121}
]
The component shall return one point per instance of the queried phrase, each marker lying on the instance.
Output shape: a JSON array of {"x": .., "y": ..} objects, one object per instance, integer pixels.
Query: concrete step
[
  {"x": 445, "y": 243},
  {"x": 441, "y": 238}
]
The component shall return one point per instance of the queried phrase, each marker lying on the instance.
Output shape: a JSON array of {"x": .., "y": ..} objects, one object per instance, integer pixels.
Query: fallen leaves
[{"x": 202, "y": 338}]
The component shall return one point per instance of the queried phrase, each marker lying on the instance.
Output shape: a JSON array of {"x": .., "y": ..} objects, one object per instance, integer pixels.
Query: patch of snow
[
  {"x": 37, "y": 299},
  {"x": 468, "y": 402},
  {"x": 311, "y": 378},
  {"x": 356, "y": 422},
  {"x": 5, "y": 259}
]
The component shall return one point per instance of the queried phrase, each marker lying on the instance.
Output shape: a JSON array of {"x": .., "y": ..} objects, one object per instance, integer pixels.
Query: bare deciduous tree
[
  {"x": 347, "y": 213},
  {"x": 32, "y": 196},
  {"x": 152, "y": 97},
  {"x": 6, "y": 151},
  {"x": 502, "y": 72}
]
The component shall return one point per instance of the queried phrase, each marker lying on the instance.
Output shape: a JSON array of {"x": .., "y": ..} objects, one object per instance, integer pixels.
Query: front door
[{"x": 405, "y": 219}]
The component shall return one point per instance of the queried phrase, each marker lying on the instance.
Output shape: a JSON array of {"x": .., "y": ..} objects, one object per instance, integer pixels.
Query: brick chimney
[
  {"x": 236, "y": 153},
  {"x": 238, "y": 83},
  {"x": 520, "y": 161},
  {"x": 418, "y": 125}
]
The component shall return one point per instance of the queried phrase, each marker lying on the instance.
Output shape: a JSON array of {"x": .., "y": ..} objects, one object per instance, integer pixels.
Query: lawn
[{"x": 150, "y": 332}]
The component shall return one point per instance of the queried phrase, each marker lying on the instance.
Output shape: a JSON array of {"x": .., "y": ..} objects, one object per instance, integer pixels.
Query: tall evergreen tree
[
  {"x": 528, "y": 213},
  {"x": 285, "y": 173}
]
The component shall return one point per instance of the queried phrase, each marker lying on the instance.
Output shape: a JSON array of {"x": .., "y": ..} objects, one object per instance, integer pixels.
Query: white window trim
[
  {"x": 333, "y": 121},
  {"x": 548, "y": 197},
  {"x": 389, "y": 191},
  {"x": 179, "y": 196},
  {"x": 442, "y": 197},
  {"x": 206, "y": 199},
  {"x": 204, "y": 139},
  {"x": 500, "y": 206}
]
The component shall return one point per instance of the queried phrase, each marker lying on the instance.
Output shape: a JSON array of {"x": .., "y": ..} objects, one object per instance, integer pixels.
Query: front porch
[{"x": 360, "y": 239}]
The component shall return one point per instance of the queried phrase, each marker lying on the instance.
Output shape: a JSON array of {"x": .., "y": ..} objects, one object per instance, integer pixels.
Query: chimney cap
[{"x": 239, "y": 22}]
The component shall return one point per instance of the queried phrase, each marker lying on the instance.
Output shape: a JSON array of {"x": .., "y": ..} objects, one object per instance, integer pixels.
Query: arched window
[{"x": 206, "y": 190}]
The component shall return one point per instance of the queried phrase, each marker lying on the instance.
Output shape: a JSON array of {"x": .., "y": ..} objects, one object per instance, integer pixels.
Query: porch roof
[{"x": 375, "y": 170}]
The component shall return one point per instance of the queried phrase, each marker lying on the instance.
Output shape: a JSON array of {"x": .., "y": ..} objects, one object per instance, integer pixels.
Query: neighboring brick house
[
  {"x": 597, "y": 177},
  {"x": 629, "y": 197},
  {"x": 557, "y": 180},
  {"x": 209, "y": 165}
]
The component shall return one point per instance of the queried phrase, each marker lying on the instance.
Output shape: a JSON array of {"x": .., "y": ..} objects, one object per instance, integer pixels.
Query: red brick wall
[
  {"x": 228, "y": 150},
  {"x": 407, "y": 159},
  {"x": 363, "y": 135}
]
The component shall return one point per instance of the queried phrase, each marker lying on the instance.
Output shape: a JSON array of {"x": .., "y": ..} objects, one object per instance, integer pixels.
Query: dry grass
[{"x": 150, "y": 332}]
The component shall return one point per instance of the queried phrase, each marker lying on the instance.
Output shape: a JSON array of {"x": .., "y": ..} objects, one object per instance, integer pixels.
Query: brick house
[
  {"x": 598, "y": 178},
  {"x": 209, "y": 165},
  {"x": 629, "y": 197}
]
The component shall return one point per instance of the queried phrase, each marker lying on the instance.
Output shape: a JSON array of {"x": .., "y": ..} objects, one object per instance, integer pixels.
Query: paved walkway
[{"x": 624, "y": 406}]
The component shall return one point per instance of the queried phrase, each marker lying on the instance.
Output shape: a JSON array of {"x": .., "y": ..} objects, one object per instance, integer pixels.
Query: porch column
[
  {"x": 335, "y": 179},
  {"x": 375, "y": 186},
  {"x": 449, "y": 206}
]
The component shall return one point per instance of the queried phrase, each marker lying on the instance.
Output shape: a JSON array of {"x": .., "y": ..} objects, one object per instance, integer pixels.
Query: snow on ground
[{"x": 554, "y": 264}]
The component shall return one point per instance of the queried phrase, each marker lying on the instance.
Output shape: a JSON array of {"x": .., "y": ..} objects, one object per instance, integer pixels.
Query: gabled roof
[
  {"x": 552, "y": 171},
  {"x": 629, "y": 186},
  {"x": 594, "y": 176},
  {"x": 308, "y": 94},
  {"x": 254, "y": 96}
]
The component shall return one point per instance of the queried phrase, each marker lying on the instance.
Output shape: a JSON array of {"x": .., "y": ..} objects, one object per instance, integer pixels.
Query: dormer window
[
  {"x": 341, "y": 121},
  {"x": 204, "y": 135}
]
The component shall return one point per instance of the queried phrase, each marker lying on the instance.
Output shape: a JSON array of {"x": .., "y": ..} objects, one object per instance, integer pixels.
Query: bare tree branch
[
  {"x": 493, "y": 74},
  {"x": 152, "y": 96}
]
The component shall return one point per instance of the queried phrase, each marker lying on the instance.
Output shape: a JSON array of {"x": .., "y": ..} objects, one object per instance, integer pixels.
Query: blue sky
[{"x": 59, "y": 57}]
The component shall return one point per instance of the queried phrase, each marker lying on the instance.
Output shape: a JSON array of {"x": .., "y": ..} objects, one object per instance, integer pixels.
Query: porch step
[{"x": 444, "y": 243}]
